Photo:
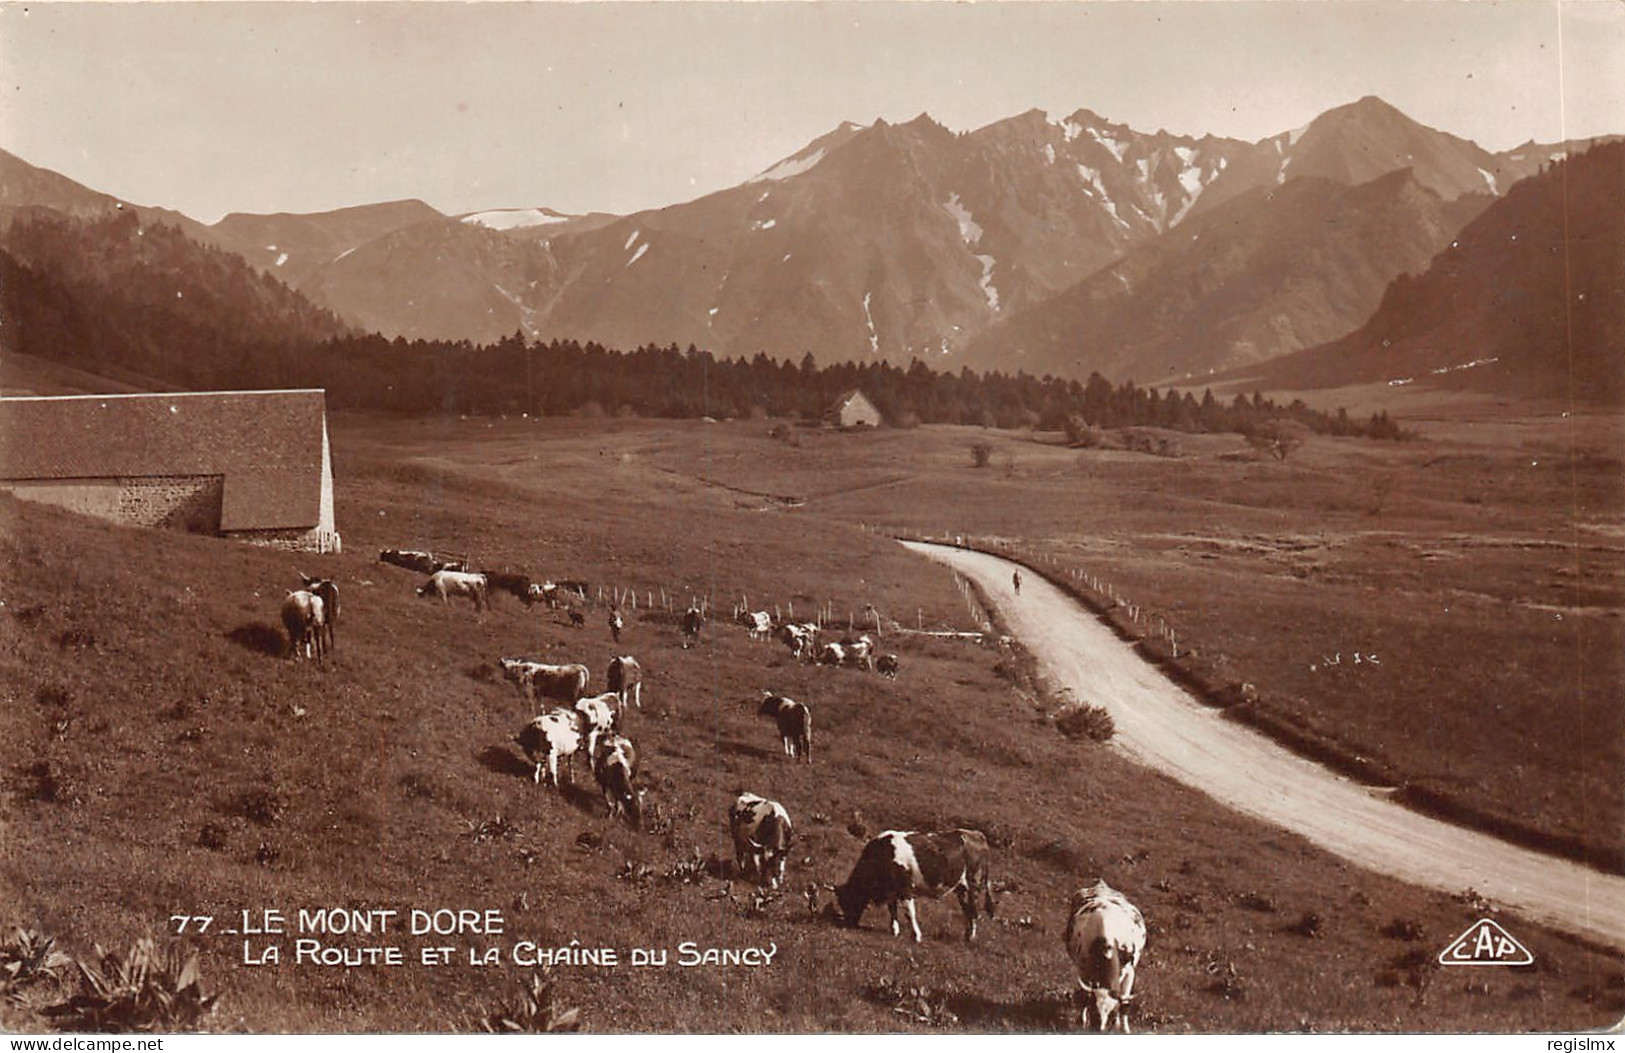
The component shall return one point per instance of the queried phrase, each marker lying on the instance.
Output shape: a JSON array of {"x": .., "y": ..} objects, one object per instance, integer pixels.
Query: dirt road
[{"x": 1159, "y": 724}]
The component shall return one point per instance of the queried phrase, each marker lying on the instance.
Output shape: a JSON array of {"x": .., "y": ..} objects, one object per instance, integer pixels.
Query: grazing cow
[
  {"x": 328, "y": 590},
  {"x": 859, "y": 653},
  {"x": 449, "y": 583},
  {"x": 1105, "y": 936},
  {"x": 616, "y": 624},
  {"x": 303, "y": 617},
  {"x": 625, "y": 676},
  {"x": 832, "y": 654},
  {"x": 758, "y": 624},
  {"x": 795, "y": 638},
  {"x": 563, "y": 683},
  {"x": 546, "y": 592},
  {"x": 598, "y": 718},
  {"x": 615, "y": 766},
  {"x": 549, "y": 738},
  {"x": 506, "y": 581},
  {"x": 886, "y": 665},
  {"x": 692, "y": 620},
  {"x": 795, "y": 724},
  {"x": 762, "y": 835},
  {"x": 897, "y": 865}
]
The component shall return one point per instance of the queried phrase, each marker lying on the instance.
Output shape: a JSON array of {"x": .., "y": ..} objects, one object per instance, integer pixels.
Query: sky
[{"x": 216, "y": 107}]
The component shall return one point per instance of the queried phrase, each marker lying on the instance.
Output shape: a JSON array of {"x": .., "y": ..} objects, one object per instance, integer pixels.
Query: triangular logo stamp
[{"x": 1486, "y": 943}]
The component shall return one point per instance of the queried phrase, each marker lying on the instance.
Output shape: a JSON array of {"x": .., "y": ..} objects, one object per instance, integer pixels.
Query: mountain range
[{"x": 1068, "y": 246}]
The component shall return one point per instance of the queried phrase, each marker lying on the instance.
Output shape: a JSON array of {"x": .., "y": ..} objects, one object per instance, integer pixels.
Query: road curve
[{"x": 1160, "y": 725}]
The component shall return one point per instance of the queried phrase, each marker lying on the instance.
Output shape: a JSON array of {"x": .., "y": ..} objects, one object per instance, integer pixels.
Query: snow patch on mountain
[
  {"x": 632, "y": 239},
  {"x": 970, "y": 232},
  {"x": 1191, "y": 180},
  {"x": 764, "y": 224},
  {"x": 638, "y": 255},
  {"x": 1071, "y": 129},
  {"x": 280, "y": 260},
  {"x": 1185, "y": 154},
  {"x": 792, "y": 166},
  {"x": 1144, "y": 165},
  {"x": 512, "y": 218},
  {"x": 1049, "y": 152},
  {"x": 1117, "y": 149},
  {"x": 343, "y": 254},
  {"x": 1095, "y": 188},
  {"x": 1295, "y": 134},
  {"x": 1489, "y": 178}
]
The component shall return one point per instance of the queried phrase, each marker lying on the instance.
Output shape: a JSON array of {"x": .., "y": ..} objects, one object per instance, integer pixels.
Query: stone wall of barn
[
  {"x": 315, "y": 540},
  {"x": 177, "y": 502}
]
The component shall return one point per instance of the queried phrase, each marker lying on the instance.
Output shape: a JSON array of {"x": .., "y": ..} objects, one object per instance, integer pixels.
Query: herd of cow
[{"x": 1105, "y": 933}]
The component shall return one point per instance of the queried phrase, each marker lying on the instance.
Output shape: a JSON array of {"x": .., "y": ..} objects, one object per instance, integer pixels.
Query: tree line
[{"x": 108, "y": 296}]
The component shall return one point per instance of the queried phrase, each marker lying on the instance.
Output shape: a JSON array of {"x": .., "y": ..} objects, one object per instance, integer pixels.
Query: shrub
[
  {"x": 535, "y": 1012},
  {"x": 981, "y": 453},
  {"x": 1086, "y": 721},
  {"x": 29, "y": 956},
  {"x": 146, "y": 990}
]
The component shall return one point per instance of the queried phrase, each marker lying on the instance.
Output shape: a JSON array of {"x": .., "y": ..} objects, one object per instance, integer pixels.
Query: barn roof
[{"x": 266, "y": 444}]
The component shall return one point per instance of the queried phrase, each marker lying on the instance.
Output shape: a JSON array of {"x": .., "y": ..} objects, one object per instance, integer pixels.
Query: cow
[
  {"x": 615, "y": 766},
  {"x": 832, "y": 654},
  {"x": 549, "y": 738},
  {"x": 758, "y": 624},
  {"x": 303, "y": 617},
  {"x": 563, "y": 683},
  {"x": 328, "y": 590},
  {"x": 795, "y": 724},
  {"x": 546, "y": 592},
  {"x": 411, "y": 559},
  {"x": 616, "y": 624},
  {"x": 625, "y": 676},
  {"x": 598, "y": 717},
  {"x": 897, "y": 865},
  {"x": 762, "y": 835},
  {"x": 1105, "y": 935},
  {"x": 449, "y": 583},
  {"x": 507, "y": 581},
  {"x": 886, "y": 665},
  {"x": 802, "y": 639},
  {"x": 693, "y": 618},
  {"x": 859, "y": 653}
]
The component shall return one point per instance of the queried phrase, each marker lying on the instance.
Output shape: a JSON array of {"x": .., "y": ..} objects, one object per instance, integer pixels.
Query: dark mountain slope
[{"x": 1528, "y": 300}]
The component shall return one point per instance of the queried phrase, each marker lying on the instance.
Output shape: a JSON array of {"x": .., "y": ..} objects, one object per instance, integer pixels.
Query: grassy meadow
[{"x": 161, "y": 758}]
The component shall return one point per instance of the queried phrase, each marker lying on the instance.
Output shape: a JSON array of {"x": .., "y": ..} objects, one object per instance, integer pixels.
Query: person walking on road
[{"x": 1015, "y": 579}]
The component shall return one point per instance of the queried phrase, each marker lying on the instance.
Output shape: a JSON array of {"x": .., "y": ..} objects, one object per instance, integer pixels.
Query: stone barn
[
  {"x": 250, "y": 465},
  {"x": 853, "y": 410}
]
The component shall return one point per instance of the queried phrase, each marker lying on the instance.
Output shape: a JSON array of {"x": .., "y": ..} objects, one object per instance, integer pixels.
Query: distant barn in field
[
  {"x": 853, "y": 410},
  {"x": 250, "y": 465}
]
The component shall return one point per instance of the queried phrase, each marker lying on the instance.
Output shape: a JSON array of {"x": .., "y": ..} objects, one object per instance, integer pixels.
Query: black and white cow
[
  {"x": 1105, "y": 935},
  {"x": 802, "y": 639},
  {"x": 615, "y": 766},
  {"x": 693, "y": 619},
  {"x": 897, "y": 865},
  {"x": 551, "y": 737},
  {"x": 762, "y": 836},
  {"x": 625, "y": 677},
  {"x": 832, "y": 654},
  {"x": 411, "y": 559},
  {"x": 795, "y": 724},
  {"x": 859, "y": 653},
  {"x": 886, "y": 665},
  {"x": 598, "y": 718},
  {"x": 563, "y": 683},
  {"x": 616, "y": 624},
  {"x": 449, "y": 583},
  {"x": 758, "y": 624}
]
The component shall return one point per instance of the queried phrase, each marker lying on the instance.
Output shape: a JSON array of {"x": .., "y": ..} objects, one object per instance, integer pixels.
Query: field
[{"x": 161, "y": 759}]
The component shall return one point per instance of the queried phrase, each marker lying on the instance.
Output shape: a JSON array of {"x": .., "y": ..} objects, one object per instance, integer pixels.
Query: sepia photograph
[{"x": 805, "y": 517}]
